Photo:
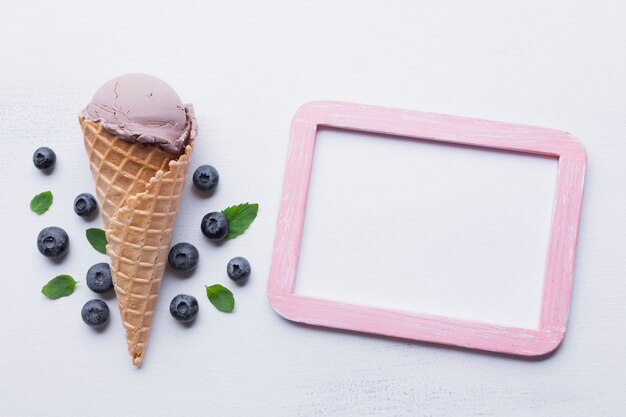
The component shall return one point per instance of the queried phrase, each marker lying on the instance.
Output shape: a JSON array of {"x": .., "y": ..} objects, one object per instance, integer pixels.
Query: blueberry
[
  {"x": 99, "y": 278},
  {"x": 238, "y": 269},
  {"x": 214, "y": 225},
  {"x": 184, "y": 308},
  {"x": 205, "y": 178},
  {"x": 53, "y": 242},
  {"x": 95, "y": 313},
  {"x": 183, "y": 257},
  {"x": 44, "y": 158},
  {"x": 85, "y": 204}
]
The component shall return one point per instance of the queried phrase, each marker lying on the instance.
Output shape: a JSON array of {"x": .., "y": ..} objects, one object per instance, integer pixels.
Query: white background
[{"x": 247, "y": 67}]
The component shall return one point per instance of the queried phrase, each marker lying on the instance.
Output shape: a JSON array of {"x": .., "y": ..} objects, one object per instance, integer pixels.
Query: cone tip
[{"x": 137, "y": 359}]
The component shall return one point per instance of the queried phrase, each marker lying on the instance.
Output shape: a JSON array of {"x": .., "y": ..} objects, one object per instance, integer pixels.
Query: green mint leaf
[
  {"x": 41, "y": 202},
  {"x": 58, "y": 287},
  {"x": 98, "y": 239},
  {"x": 220, "y": 297},
  {"x": 239, "y": 218}
]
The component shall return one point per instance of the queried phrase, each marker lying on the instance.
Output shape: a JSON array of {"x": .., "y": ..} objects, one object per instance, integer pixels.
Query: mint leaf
[
  {"x": 98, "y": 239},
  {"x": 58, "y": 287},
  {"x": 220, "y": 297},
  {"x": 41, "y": 202},
  {"x": 239, "y": 218}
]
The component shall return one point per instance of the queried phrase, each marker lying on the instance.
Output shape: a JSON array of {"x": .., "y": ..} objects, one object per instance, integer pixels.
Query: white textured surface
[
  {"x": 431, "y": 228},
  {"x": 246, "y": 68}
]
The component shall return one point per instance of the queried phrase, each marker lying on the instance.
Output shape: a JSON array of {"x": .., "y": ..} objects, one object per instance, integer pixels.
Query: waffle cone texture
[{"x": 139, "y": 188}]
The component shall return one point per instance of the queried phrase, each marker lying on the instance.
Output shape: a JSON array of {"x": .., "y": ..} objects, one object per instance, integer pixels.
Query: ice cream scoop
[{"x": 142, "y": 108}]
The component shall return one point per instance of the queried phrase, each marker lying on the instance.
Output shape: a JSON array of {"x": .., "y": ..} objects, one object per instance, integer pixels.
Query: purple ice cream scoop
[{"x": 143, "y": 108}]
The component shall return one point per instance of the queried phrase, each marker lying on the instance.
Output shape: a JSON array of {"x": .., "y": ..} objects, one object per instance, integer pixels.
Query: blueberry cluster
[
  {"x": 184, "y": 257},
  {"x": 53, "y": 242}
]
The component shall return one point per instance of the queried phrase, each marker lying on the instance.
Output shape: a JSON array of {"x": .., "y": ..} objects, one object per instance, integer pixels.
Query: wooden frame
[{"x": 441, "y": 128}]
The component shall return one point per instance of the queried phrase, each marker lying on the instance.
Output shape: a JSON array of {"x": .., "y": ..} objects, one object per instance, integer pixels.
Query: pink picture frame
[{"x": 421, "y": 327}]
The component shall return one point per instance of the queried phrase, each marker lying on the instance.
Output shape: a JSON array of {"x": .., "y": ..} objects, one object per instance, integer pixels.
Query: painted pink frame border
[{"x": 441, "y": 128}]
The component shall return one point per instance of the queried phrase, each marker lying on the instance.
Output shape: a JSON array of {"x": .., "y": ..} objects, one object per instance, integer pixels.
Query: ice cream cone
[{"x": 139, "y": 188}]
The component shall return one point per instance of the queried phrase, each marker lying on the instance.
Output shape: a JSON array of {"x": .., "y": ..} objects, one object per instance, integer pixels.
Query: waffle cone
[{"x": 139, "y": 188}]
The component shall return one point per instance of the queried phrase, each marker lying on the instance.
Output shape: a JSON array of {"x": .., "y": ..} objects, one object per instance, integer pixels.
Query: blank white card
[{"x": 427, "y": 227}]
